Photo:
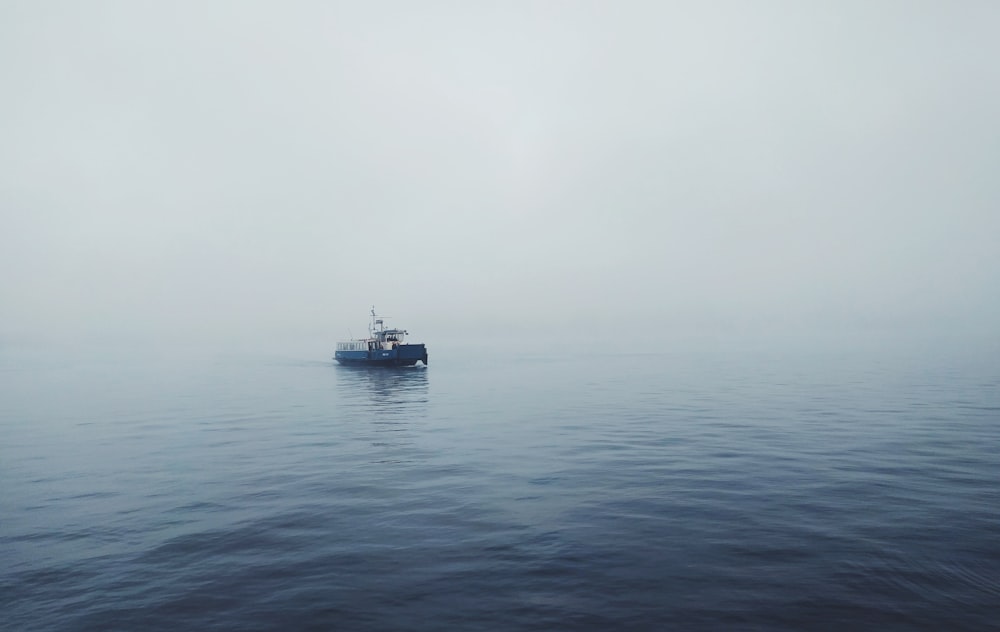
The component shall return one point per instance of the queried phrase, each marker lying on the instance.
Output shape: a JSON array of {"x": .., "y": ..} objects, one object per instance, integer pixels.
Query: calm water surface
[{"x": 600, "y": 492}]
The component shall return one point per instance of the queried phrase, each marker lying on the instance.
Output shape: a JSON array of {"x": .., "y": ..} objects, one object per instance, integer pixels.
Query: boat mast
[{"x": 377, "y": 325}]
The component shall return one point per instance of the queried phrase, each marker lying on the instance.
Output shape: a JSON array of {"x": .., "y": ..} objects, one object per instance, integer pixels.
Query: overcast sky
[{"x": 249, "y": 170}]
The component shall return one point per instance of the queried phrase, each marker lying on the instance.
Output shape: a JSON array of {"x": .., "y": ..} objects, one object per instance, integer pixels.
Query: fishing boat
[{"x": 382, "y": 347}]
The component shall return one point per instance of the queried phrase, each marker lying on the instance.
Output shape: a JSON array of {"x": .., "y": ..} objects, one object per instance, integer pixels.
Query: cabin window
[{"x": 353, "y": 346}]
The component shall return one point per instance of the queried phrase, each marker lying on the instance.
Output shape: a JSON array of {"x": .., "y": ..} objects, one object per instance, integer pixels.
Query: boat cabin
[{"x": 378, "y": 337}]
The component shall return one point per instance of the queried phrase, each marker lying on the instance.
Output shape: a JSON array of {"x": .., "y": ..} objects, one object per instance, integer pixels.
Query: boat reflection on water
[
  {"x": 384, "y": 407},
  {"x": 384, "y": 391}
]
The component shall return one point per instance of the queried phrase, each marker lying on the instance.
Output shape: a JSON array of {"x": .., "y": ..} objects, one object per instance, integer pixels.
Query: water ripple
[{"x": 526, "y": 494}]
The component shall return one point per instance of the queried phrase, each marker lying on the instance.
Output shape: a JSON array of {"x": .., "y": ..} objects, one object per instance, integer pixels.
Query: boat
[{"x": 382, "y": 347}]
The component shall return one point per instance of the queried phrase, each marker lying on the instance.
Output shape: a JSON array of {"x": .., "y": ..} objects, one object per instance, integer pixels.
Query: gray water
[{"x": 501, "y": 492}]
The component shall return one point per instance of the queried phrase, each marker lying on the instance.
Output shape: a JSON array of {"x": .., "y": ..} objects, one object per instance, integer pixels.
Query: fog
[{"x": 249, "y": 174}]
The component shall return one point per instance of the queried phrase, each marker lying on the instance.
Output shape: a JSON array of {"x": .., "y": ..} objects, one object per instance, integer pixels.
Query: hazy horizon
[{"x": 241, "y": 174}]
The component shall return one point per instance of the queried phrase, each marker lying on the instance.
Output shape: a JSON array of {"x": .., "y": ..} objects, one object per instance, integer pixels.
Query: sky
[{"x": 231, "y": 173}]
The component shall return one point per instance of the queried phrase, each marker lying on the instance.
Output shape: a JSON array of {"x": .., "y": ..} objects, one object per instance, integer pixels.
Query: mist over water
[
  {"x": 222, "y": 175},
  {"x": 576, "y": 491}
]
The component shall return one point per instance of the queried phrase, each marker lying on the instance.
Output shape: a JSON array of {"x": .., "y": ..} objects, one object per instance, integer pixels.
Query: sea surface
[{"x": 501, "y": 491}]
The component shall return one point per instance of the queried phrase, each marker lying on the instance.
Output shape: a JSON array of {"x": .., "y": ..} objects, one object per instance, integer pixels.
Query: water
[{"x": 577, "y": 492}]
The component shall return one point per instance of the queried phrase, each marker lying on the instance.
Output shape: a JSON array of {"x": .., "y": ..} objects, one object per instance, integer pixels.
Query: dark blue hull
[
  {"x": 375, "y": 362},
  {"x": 401, "y": 355}
]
